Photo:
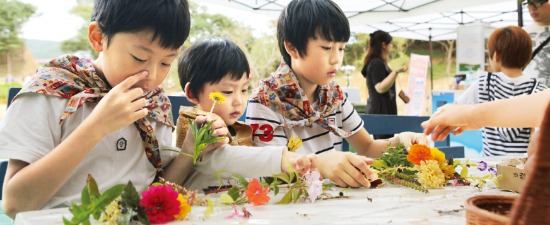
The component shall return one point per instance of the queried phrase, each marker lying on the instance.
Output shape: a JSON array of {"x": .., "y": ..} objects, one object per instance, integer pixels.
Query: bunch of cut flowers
[
  {"x": 162, "y": 202},
  {"x": 423, "y": 168}
]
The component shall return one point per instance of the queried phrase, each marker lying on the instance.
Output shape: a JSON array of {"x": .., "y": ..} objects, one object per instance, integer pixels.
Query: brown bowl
[{"x": 489, "y": 209}]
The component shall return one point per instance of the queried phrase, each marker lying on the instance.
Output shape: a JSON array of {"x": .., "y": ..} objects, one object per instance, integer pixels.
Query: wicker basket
[
  {"x": 489, "y": 209},
  {"x": 532, "y": 206}
]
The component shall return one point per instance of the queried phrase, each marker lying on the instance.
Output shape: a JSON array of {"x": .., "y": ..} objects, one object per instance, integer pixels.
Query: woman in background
[{"x": 380, "y": 78}]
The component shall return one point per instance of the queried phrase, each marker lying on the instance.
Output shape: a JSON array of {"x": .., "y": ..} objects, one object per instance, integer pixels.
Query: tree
[
  {"x": 83, "y": 9},
  {"x": 449, "y": 48},
  {"x": 13, "y": 14}
]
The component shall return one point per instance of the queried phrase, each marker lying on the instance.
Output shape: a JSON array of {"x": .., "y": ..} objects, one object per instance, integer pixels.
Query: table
[{"x": 389, "y": 204}]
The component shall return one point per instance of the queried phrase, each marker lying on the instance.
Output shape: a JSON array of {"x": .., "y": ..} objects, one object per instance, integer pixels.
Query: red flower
[
  {"x": 160, "y": 203},
  {"x": 256, "y": 194}
]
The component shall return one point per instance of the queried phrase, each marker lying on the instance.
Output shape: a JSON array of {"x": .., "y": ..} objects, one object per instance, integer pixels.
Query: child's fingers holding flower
[
  {"x": 301, "y": 163},
  {"x": 410, "y": 138},
  {"x": 218, "y": 127}
]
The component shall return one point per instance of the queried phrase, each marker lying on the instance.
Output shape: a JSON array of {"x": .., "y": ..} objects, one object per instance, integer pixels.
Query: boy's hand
[
  {"x": 301, "y": 163},
  {"x": 220, "y": 130},
  {"x": 345, "y": 168},
  {"x": 123, "y": 105},
  {"x": 410, "y": 138},
  {"x": 219, "y": 127}
]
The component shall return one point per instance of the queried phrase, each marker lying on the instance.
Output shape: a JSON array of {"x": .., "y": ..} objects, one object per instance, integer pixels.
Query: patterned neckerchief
[
  {"x": 76, "y": 79},
  {"x": 283, "y": 94}
]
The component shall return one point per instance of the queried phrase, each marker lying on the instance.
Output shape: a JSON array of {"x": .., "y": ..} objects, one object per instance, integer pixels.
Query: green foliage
[
  {"x": 80, "y": 42},
  {"x": 4, "y": 90},
  {"x": 394, "y": 157},
  {"x": 203, "y": 136},
  {"x": 93, "y": 203},
  {"x": 13, "y": 14}
]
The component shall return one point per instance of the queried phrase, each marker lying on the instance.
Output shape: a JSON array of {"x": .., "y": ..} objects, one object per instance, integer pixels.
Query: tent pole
[{"x": 520, "y": 14}]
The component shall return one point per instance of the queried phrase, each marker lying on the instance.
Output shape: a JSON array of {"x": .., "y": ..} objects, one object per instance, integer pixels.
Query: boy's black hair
[
  {"x": 304, "y": 19},
  {"x": 168, "y": 19},
  {"x": 209, "y": 61}
]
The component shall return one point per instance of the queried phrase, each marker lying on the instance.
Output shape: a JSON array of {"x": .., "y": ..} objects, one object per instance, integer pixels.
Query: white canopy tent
[
  {"x": 413, "y": 19},
  {"x": 428, "y": 20}
]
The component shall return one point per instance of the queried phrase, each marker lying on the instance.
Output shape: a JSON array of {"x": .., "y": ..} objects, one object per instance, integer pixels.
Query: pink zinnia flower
[{"x": 160, "y": 203}]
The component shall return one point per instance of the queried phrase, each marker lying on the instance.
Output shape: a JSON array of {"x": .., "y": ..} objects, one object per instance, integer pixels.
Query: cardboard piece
[{"x": 513, "y": 174}]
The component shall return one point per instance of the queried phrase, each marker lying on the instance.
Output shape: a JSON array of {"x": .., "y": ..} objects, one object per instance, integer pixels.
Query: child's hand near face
[
  {"x": 123, "y": 105},
  {"x": 345, "y": 168},
  {"x": 301, "y": 163}
]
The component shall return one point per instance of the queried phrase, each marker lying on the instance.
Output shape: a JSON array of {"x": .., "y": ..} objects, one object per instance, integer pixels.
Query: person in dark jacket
[{"x": 380, "y": 78}]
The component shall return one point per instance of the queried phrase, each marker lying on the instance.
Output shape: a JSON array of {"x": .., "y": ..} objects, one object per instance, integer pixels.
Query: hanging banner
[{"x": 416, "y": 88}]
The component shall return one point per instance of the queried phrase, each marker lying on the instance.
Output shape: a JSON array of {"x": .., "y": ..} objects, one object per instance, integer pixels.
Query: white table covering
[{"x": 391, "y": 204}]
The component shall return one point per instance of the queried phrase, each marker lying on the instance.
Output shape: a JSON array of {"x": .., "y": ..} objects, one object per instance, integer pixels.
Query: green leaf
[
  {"x": 283, "y": 176},
  {"x": 464, "y": 171},
  {"x": 85, "y": 196},
  {"x": 294, "y": 195},
  {"x": 226, "y": 199},
  {"x": 92, "y": 188},
  {"x": 286, "y": 198},
  {"x": 379, "y": 164},
  {"x": 210, "y": 209},
  {"x": 241, "y": 180},
  {"x": 234, "y": 193},
  {"x": 275, "y": 190},
  {"x": 130, "y": 197}
]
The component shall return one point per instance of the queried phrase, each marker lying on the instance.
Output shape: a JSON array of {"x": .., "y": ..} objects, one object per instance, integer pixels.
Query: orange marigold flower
[
  {"x": 256, "y": 194},
  {"x": 419, "y": 153}
]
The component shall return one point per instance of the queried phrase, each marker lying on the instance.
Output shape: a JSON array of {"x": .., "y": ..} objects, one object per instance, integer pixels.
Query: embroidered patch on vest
[{"x": 121, "y": 144}]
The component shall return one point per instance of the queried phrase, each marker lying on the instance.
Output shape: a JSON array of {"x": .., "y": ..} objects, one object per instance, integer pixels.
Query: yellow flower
[
  {"x": 217, "y": 97},
  {"x": 185, "y": 208},
  {"x": 294, "y": 143},
  {"x": 448, "y": 170},
  {"x": 430, "y": 175},
  {"x": 439, "y": 156}
]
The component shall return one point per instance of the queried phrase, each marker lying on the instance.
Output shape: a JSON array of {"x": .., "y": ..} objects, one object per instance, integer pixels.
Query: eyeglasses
[{"x": 534, "y": 3}]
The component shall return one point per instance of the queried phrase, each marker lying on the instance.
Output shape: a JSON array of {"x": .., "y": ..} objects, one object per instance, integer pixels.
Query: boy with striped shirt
[{"x": 302, "y": 99}]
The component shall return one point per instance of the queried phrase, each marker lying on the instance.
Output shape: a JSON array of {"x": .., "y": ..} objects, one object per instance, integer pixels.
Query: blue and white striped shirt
[{"x": 493, "y": 86}]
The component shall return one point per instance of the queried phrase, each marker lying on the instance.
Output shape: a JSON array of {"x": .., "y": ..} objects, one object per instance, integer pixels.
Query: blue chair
[
  {"x": 11, "y": 93},
  {"x": 393, "y": 124},
  {"x": 178, "y": 101}
]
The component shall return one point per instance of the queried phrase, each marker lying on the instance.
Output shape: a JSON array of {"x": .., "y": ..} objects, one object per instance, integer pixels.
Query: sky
[{"x": 53, "y": 21}]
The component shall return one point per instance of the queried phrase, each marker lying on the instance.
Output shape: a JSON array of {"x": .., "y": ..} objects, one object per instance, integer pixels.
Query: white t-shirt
[
  {"x": 30, "y": 129},
  {"x": 498, "y": 140},
  {"x": 539, "y": 67},
  {"x": 245, "y": 161},
  {"x": 315, "y": 139}
]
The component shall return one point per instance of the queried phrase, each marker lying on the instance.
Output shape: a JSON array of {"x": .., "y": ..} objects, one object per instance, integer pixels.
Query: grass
[{"x": 4, "y": 90}]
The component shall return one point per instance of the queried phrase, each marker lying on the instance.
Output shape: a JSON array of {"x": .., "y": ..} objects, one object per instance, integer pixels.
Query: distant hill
[{"x": 42, "y": 50}]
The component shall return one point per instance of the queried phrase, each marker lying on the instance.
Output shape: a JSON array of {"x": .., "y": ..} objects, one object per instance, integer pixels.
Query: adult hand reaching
[{"x": 449, "y": 118}]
